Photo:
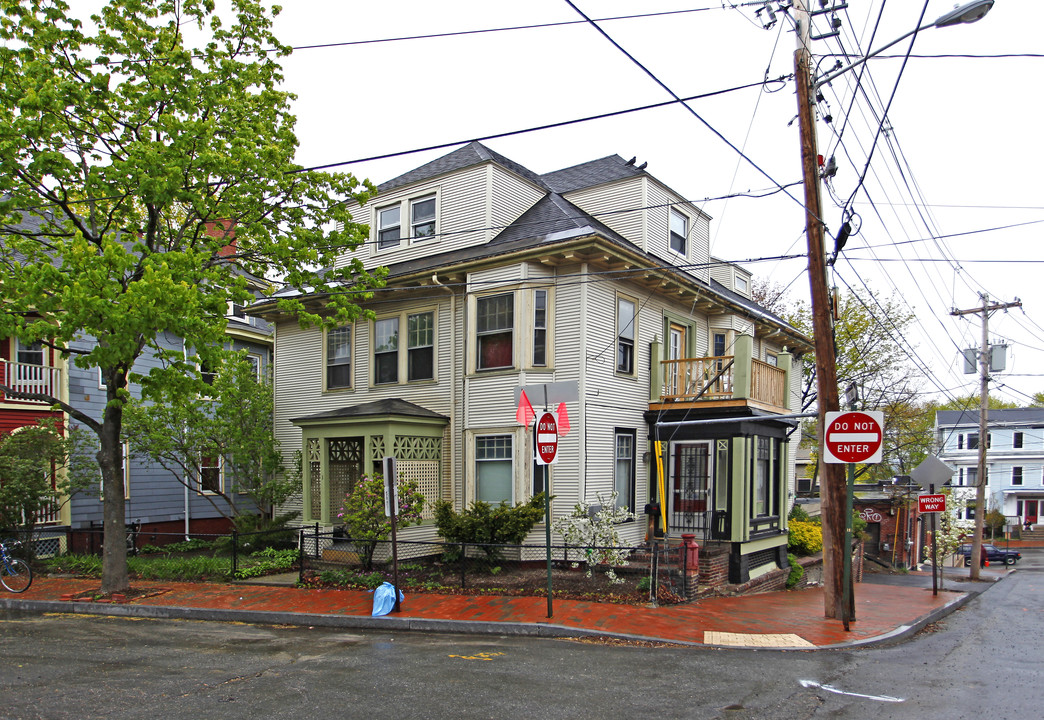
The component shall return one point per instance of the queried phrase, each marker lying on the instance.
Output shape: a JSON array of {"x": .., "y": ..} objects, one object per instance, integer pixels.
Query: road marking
[
  {"x": 829, "y": 688},
  {"x": 478, "y": 656}
]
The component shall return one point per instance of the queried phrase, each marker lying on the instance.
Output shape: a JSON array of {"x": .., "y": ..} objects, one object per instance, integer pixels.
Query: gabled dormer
[
  {"x": 460, "y": 200},
  {"x": 639, "y": 207}
]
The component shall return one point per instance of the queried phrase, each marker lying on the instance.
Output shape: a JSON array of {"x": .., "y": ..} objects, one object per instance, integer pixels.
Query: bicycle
[{"x": 15, "y": 574}]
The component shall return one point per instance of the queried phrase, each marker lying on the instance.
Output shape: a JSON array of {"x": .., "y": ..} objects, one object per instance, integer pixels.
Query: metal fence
[{"x": 654, "y": 573}]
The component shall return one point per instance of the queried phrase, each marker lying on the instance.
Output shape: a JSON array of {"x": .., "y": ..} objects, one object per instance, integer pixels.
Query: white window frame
[
  {"x": 678, "y": 215},
  {"x": 403, "y": 347},
  {"x": 382, "y": 228},
  {"x": 408, "y": 225},
  {"x": 626, "y": 333},
  {"x": 512, "y": 329},
  {"x": 740, "y": 278},
  {"x": 326, "y": 359},
  {"x": 477, "y": 443},
  {"x": 391, "y": 351},
  {"x": 257, "y": 362},
  {"x": 540, "y": 327},
  {"x": 415, "y": 236},
  {"x": 631, "y": 500},
  {"x": 220, "y": 467},
  {"x": 1017, "y": 476}
]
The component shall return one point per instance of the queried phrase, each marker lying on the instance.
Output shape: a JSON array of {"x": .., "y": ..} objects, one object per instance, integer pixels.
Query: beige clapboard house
[{"x": 594, "y": 281}]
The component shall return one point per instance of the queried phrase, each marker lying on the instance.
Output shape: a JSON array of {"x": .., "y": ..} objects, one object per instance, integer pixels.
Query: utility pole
[
  {"x": 834, "y": 492},
  {"x": 984, "y": 406}
]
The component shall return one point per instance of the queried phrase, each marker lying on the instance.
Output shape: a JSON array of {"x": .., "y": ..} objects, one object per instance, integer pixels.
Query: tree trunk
[{"x": 110, "y": 457}]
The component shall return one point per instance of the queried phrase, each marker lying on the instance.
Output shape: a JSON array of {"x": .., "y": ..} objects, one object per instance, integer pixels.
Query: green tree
[
  {"x": 363, "y": 513},
  {"x": 231, "y": 422},
  {"x": 140, "y": 174},
  {"x": 872, "y": 356},
  {"x": 39, "y": 469}
]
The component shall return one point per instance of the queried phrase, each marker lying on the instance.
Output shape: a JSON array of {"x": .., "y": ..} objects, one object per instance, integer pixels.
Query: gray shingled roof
[
  {"x": 392, "y": 406},
  {"x": 474, "y": 153},
  {"x": 550, "y": 215},
  {"x": 994, "y": 417},
  {"x": 590, "y": 174}
]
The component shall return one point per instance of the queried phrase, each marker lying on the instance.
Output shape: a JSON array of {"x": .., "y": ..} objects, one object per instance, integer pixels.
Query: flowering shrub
[
  {"x": 596, "y": 533},
  {"x": 363, "y": 513},
  {"x": 805, "y": 538}
]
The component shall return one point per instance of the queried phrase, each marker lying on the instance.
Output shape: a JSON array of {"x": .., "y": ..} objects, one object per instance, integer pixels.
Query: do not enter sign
[
  {"x": 546, "y": 439},
  {"x": 853, "y": 437}
]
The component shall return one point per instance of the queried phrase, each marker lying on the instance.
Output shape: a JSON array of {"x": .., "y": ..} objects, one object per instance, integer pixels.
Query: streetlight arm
[{"x": 967, "y": 13}]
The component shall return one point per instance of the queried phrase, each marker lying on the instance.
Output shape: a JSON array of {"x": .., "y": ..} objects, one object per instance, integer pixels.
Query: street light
[
  {"x": 834, "y": 490},
  {"x": 968, "y": 13}
]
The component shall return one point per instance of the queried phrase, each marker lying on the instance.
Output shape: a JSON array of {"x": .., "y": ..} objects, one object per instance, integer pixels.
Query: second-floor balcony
[
  {"x": 24, "y": 380},
  {"x": 734, "y": 380}
]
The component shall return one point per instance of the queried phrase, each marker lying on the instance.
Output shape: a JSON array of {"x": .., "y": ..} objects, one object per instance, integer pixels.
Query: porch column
[
  {"x": 743, "y": 352},
  {"x": 655, "y": 369},
  {"x": 785, "y": 362}
]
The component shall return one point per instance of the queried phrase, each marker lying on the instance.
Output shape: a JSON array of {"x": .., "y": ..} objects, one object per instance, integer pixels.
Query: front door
[
  {"x": 690, "y": 486},
  {"x": 676, "y": 351},
  {"x": 1031, "y": 512}
]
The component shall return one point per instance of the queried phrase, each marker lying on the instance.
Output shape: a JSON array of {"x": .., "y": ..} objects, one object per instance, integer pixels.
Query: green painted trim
[{"x": 752, "y": 546}]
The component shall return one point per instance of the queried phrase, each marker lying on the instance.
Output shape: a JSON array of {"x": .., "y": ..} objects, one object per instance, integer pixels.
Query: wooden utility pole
[
  {"x": 832, "y": 483},
  {"x": 984, "y": 406}
]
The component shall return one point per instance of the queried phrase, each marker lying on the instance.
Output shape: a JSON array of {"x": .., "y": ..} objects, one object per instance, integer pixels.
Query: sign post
[
  {"x": 546, "y": 440},
  {"x": 849, "y": 438},
  {"x": 391, "y": 503},
  {"x": 930, "y": 472}
]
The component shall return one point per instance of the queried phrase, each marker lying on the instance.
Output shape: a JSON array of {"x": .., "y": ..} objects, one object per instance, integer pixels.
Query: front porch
[
  {"x": 735, "y": 381},
  {"x": 28, "y": 379}
]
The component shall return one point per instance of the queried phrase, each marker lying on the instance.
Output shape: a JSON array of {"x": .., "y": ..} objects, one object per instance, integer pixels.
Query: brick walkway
[{"x": 775, "y": 619}]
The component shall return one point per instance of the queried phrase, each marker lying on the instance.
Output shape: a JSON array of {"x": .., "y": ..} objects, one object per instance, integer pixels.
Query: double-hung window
[
  {"x": 1016, "y": 475},
  {"x": 1016, "y": 441},
  {"x": 389, "y": 227},
  {"x": 210, "y": 474},
  {"x": 679, "y": 231},
  {"x": 540, "y": 328},
  {"x": 493, "y": 468},
  {"x": 623, "y": 473},
  {"x": 420, "y": 346},
  {"x": 422, "y": 218},
  {"x": 495, "y": 323},
  {"x": 339, "y": 358},
  {"x": 625, "y": 319},
  {"x": 386, "y": 351}
]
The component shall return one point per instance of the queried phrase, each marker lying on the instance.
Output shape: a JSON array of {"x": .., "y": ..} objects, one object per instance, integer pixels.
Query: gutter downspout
[{"x": 453, "y": 386}]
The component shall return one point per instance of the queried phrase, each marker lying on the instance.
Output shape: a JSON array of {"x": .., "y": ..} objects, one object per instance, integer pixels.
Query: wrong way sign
[
  {"x": 853, "y": 437},
  {"x": 931, "y": 503}
]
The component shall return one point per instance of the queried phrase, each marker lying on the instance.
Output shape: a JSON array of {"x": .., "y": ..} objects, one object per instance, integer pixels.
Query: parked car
[{"x": 993, "y": 554}]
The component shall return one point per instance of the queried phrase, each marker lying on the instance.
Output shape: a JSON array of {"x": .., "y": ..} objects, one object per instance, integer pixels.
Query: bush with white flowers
[{"x": 596, "y": 534}]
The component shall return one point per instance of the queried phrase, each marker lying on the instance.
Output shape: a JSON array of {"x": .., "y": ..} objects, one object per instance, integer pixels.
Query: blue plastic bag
[{"x": 384, "y": 599}]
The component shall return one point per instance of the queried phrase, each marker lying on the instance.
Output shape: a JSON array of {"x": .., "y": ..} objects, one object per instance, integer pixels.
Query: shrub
[
  {"x": 363, "y": 513},
  {"x": 798, "y": 513},
  {"x": 488, "y": 525},
  {"x": 805, "y": 538},
  {"x": 596, "y": 533},
  {"x": 796, "y": 571}
]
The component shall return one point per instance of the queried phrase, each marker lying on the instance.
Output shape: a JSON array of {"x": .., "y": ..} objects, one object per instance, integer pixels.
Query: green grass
[{"x": 180, "y": 567}]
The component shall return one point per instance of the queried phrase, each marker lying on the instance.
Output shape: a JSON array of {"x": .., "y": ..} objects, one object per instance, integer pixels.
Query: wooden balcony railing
[
  {"x": 689, "y": 379},
  {"x": 714, "y": 378},
  {"x": 29, "y": 379},
  {"x": 768, "y": 383}
]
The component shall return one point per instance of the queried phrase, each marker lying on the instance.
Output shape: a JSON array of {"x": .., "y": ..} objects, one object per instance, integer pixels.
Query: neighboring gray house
[
  {"x": 1014, "y": 458},
  {"x": 597, "y": 277}
]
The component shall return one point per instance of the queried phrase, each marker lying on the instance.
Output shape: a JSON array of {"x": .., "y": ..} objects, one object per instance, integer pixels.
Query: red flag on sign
[
  {"x": 524, "y": 415},
  {"x": 563, "y": 419}
]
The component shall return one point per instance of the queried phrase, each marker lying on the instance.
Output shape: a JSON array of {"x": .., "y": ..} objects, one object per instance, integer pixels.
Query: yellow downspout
[{"x": 661, "y": 489}]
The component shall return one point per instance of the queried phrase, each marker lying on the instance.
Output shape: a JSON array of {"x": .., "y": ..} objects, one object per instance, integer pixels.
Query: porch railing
[
  {"x": 768, "y": 383},
  {"x": 29, "y": 379},
  {"x": 706, "y": 378}
]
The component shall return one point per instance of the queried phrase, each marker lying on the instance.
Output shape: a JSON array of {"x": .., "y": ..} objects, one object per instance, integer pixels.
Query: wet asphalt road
[{"x": 981, "y": 661}]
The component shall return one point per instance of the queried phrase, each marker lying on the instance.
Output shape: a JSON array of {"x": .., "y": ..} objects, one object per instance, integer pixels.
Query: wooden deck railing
[
  {"x": 712, "y": 378},
  {"x": 706, "y": 378},
  {"x": 768, "y": 383}
]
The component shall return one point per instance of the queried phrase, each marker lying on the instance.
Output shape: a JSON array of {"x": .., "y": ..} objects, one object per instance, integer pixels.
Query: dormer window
[
  {"x": 422, "y": 218},
  {"x": 742, "y": 285},
  {"x": 679, "y": 231},
  {"x": 388, "y": 227}
]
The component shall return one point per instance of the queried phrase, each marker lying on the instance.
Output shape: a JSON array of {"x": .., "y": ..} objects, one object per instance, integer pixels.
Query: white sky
[{"x": 962, "y": 159}]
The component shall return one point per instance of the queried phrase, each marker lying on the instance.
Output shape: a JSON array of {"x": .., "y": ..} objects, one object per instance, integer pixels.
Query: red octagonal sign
[
  {"x": 853, "y": 437},
  {"x": 546, "y": 439}
]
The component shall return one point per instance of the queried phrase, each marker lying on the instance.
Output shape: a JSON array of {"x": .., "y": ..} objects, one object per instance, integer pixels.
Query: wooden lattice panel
[{"x": 426, "y": 474}]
